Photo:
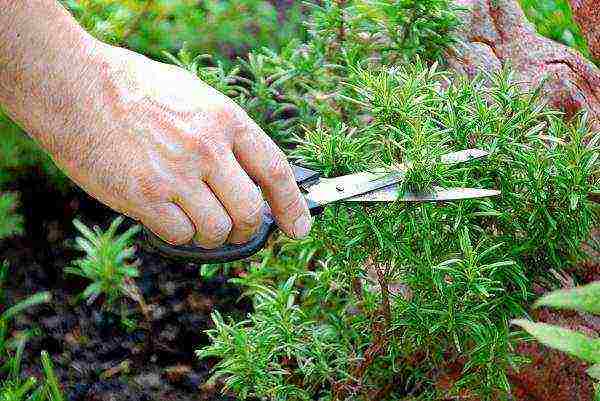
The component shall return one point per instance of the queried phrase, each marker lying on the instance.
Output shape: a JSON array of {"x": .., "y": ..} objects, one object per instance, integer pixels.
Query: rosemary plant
[{"x": 383, "y": 302}]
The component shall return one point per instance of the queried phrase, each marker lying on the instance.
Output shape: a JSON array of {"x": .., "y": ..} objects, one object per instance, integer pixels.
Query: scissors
[{"x": 366, "y": 187}]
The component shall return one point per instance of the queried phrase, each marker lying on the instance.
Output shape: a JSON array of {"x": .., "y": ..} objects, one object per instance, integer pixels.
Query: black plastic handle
[{"x": 231, "y": 252}]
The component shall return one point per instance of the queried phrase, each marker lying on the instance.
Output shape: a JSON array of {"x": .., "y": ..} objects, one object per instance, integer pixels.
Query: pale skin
[{"x": 148, "y": 139}]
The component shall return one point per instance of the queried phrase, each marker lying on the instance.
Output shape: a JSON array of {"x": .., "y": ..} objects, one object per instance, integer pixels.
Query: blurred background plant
[
  {"x": 582, "y": 299},
  {"x": 225, "y": 29},
  {"x": 554, "y": 19},
  {"x": 10, "y": 222}
]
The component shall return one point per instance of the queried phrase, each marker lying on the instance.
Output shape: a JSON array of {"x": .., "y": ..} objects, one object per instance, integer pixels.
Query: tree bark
[
  {"x": 496, "y": 34},
  {"x": 587, "y": 15}
]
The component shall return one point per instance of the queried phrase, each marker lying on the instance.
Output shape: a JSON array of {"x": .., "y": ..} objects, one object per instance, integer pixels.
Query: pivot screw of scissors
[{"x": 339, "y": 187}]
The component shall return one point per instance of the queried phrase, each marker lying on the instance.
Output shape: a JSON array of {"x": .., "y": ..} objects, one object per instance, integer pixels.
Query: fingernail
[{"x": 302, "y": 226}]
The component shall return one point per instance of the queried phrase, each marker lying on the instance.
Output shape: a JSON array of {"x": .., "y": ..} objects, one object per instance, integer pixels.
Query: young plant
[
  {"x": 14, "y": 387},
  {"x": 584, "y": 299},
  {"x": 110, "y": 264}
]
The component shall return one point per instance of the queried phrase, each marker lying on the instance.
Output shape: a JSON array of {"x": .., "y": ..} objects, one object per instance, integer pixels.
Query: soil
[{"x": 96, "y": 358}]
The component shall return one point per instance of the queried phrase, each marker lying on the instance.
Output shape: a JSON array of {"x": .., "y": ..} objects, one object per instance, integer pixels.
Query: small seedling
[
  {"x": 14, "y": 387},
  {"x": 110, "y": 264}
]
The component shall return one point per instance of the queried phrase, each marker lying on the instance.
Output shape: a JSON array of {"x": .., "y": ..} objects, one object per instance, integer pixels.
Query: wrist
[
  {"x": 64, "y": 97},
  {"x": 46, "y": 60}
]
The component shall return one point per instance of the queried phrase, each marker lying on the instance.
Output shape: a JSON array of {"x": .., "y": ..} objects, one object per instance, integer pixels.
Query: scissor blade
[
  {"x": 330, "y": 190},
  {"x": 463, "y": 156},
  {"x": 393, "y": 193}
]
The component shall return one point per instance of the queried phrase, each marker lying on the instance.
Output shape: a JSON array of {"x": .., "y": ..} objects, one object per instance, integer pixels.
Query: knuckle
[
  {"x": 279, "y": 169},
  {"x": 213, "y": 153},
  {"x": 150, "y": 187},
  {"x": 225, "y": 109},
  {"x": 208, "y": 146},
  {"x": 250, "y": 217},
  {"x": 217, "y": 230},
  {"x": 294, "y": 206}
]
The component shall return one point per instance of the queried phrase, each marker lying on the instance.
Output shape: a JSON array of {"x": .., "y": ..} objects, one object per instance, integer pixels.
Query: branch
[{"x": 381, "y": 327}]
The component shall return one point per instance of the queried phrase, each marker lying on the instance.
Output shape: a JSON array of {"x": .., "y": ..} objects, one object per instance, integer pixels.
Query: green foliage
[
  {"x": 411, "y": 27},
  {"x": 10, "y": 223},
  {"x": 218, "y": 76},
  {"x": 388, "y": 296},
  {"x": 379, "y": 301},
  {"x": 275, "y": 338},
  {"x": 18, "y": 153},
  {"x": 584, "y": 299},
  {"x": 554, "y": 19},
  {"x": 223, "y": 28},
  {"x": 52, "y": 390},
  {"x": 565, "y": 340},
  {"x": 8, "y": 313},
  {"x": 107, "y": 263},
  {"x": 14, "y": 387}
]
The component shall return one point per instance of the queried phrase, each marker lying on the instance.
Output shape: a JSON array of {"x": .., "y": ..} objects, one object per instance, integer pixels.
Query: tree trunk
[
  {"x": 496, "y": 34},
  {"x": 587, "y": 15}
]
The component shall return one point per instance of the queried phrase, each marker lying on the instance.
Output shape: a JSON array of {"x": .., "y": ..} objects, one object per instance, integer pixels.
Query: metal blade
[
  {"x": 329, "y": 190},
  {"x": 463, "y": 156},
  {"x": 393, "y": 193}
]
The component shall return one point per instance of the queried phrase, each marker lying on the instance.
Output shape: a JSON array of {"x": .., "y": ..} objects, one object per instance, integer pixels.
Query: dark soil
[{"x": 95, "y": 356}]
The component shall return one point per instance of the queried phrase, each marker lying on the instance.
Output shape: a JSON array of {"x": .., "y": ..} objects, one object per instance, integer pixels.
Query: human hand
[{"x": 155, "y": 143}]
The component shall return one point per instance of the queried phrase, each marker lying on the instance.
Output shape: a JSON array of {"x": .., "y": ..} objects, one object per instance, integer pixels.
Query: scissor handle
[{"x": 230, "y": 252}]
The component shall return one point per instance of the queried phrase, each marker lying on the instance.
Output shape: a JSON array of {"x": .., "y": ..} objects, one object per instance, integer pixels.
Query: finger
[
  {"x": 239, "y": 195},
  {"x": 169, "y": 222},
  {"x": 210, "y": 219},
  {"x": 268, "y": 166}
]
